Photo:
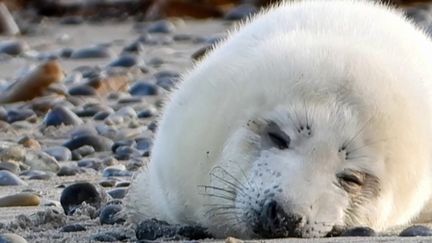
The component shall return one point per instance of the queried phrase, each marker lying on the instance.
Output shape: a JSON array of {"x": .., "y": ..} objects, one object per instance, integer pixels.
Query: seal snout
[{"x": 274, "y": 222}]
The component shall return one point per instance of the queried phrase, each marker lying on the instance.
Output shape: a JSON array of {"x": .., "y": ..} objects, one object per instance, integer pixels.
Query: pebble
[
  {"x": 39, "y": 160},
  {"x": 101, "y": 115},
  {"x": 11, "y": 238},
  {"x": 12, "y": 47},
  {"x": 147, "y": 113},
  {"x": 73, "y": 228},
  {"x": 162, "y": 26},
  {"x": 90, "y": 163},
  {"x": 28, "y": 142},
  {"x": 67, "y": 170},
  {"x": 108, "y": 183},
  {"x": 126, "y": 152},
  {"x": 113, "y": 171},
  {"x": 416, "y": 230},
  {"x": 120, "y": 143},
  {"x": 8, "y": 26},
  {"x": 193, "y": 232},
  {"x": 14, "y": 115},
  {"x": 10, "y": 166},
  {"x": 37, "y": 175},
  {"x": 3, "y": 113},
  {"x": 9, "y": 179},
  {"x": 152, "y": 229},
  {"x": 91, "y": 52},
  {"x": 83, "y": 130},
  {"x": 85, "y": 150},
  {"x": 124, "y": 61},
  {"x": 60, "y": 153},
  {"x": 33, "y": 83},
  {"x": 15, "y": 153},
  {"x": 359, "y": 231},
  {"x": 134, "y": 47},
  {"x": 240, "y": 12},
  {"x": 167, "y": 79},
  {"x": 82, "y": 90},
  {"x": 123, "y": 184},
  {"x": 73, "y": 195},
  {"x": 99, "y": 143},
  {"x": 118, "y": 193},
  {"x": 108, "y": 215},
  {"x": 23, "y": 199},
  {"x": 142, "y": 88},
  {"x": 144, "y": 143},
  {"x": 233, "y": 240},
  {"x": 61, "y": 115},
  {"x": 110, "y": 236}
]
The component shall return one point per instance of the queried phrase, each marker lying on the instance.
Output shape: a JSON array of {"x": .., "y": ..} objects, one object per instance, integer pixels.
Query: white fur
[{"x": 360, "y": 70}]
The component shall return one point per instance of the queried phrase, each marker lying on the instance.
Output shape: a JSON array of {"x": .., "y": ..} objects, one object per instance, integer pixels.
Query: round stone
[
  {"x": 110, "y": 236},
  {"x": 162, "y": 26},
  {"x": 82, "y": 90},
  {"x": 91, "y": 52},
  {"x": 108, "y": 215},
  {"x": 416, "y": 230},
  {"x": 19, "y": 115},
  {"x": 61, "y": 115},
  {"x": 124, "y": 61},
  {"x": 99, "y": 143},
  {"x": 142, "y": 88},
  {"x": 118, "y": 193},
  {"x": 10, "y": 166},
  {"x": 75, "y": 194},
  {"x": 13, "y": 47},
  {"x": 90, "y": 163},
  {"x": 73, "y": 228},
  {"x": 147, "y": 113},
  {"x": 11, "y": 238},
  {"x": 60, "y": 153},
  {"x": 152, "y": 229},
  {"x": 23, "y": 199},
  {"x": 9, "y": 179},
  {"x": 193, "y": 232},
  {"x": 67, "y": 170},
  {"x": 359, "y": 231},
  {"x": 112, "y": 171}
]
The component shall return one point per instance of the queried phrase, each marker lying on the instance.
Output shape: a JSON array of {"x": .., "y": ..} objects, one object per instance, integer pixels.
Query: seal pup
[{"x": 312, "y": 116}]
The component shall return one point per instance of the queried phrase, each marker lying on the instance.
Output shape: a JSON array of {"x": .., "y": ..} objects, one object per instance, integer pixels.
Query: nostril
[
  {"x": 274, "y": 222},
  {"x": 271, "y": 210}
]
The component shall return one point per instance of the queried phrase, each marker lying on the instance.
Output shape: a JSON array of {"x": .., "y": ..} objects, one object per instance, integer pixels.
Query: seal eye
[
  {"x": 282, "y": 142},
  {"x": 350, "y": 180}
]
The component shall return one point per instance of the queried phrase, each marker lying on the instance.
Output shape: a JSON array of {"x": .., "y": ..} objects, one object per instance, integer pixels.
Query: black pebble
[
  {"x": 118, "y": 193},
  {"x": 108, "y": 215},
  {"x": 19, "y": 115},
  {"x": 141, "y": 88},
  {"x": 83, "y": 90},
  {"x": 68, "y": 171},
  {"x": 416, "y": 230},
  {"x": 91, "y": 52},
  {"x": 193, "y": 233},
  {"x": 124, "y": 61},
  {"x": 73, "y": 195},
  {"x": 110, "y": 236},
  {"x": 359, "y": 231},
  {"x": 153, "y": 229},
  {"x": 61, "y": 115},
  {"x": 73, "y": 228},
  {"x": 99, "y": 143}
]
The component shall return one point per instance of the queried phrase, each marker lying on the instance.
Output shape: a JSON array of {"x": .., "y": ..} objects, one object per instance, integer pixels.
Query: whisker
[
  {"x": 240, "y": 186},
  {"x": 218, "y": 196},
  {"x": 206, "y": 187}
]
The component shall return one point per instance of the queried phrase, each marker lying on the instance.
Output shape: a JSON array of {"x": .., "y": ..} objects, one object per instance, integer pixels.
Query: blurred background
[{"x": 149, "y": 9}]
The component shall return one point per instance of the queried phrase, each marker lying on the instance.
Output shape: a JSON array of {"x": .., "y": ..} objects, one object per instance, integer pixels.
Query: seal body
[{"x": 312, "y": 116}]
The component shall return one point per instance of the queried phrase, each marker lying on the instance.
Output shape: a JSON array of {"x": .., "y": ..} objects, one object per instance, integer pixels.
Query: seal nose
[{"x": 274, "y": 222}]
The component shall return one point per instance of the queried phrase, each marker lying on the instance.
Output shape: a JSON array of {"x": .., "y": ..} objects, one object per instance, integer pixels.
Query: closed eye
[{"x": 280, "y": 141}]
